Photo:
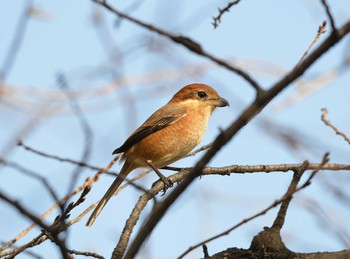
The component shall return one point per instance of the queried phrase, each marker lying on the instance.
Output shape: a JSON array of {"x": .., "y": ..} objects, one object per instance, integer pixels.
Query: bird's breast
[{"x": 171, "y": 143}]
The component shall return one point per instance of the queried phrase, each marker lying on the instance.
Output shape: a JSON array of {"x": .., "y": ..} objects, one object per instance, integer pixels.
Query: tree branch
[
  {"x": 120, "y": 248},
  {"x": 62, "y": 159},
  {"x": 88, "y": 182},
  {"x": 328, "y": 123},
  {"x": 321, "y": 29},
  {"x": 292, "y": 189},
  {"x": 47, "y": 229},
  {"x": 330, "y": 16},
  {"x": 247, "y": 115},
  {"x": 16, "y": 41},
  {"x": 217, "y": 19},
  {"x": 186, "y": 42}
]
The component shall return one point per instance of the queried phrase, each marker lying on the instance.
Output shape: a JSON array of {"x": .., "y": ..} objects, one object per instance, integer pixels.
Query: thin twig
[
  {"x": 217, "y": 19},
  {"x": 90, "y": 254},
  {"x": 16, "y": 42},
  {"x": 88, "y": 182},
  {"x": 186, "y": 42},
  {"x": 328, "y": 123},
  {"x": 84, "y": 124},
  {"x": 57, "y": 227},
  {"x": 62, "y": 159},
  {"x": 41, "y": 238},
  {"x": 330, "y": 16},
  {"x": 321, "y": 29},
  {"x": 30, "y": 173},
  {"x": 202, "y": 148},
  {"x": 29, "y": 253},
  {"x": 48, "y": 231},
  {"x": 14, "y": 252}
]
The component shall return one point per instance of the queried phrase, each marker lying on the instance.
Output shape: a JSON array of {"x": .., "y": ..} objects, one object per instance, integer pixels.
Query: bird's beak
[{"x": 222, "y": 102}]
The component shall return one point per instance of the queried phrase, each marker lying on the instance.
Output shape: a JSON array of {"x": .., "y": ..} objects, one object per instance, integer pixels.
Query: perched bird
[{"x": 167, "y": 135}]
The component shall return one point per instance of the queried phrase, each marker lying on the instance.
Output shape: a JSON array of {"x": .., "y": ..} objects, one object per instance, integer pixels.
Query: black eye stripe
[{"x": 201, "y": 94}]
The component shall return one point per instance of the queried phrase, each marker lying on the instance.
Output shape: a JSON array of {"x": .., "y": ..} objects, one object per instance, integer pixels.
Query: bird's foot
[{"x": 166, "y": 182}]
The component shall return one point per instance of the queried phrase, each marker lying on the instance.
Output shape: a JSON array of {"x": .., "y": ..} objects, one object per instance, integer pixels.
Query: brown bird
[{"x": 167, "y": 135}]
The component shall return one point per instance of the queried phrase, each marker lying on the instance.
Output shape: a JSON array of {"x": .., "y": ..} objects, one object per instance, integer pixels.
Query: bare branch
[
  {"x": 225, "y": 136},
  {"x": 202, "y": 148},
  {"x": 321, "y": 29},
  {"x": 16, "y": 42},
  {"x": 186, "y": 42},
  {"x": 279, "y": 220},
  {"x": 62, "y": 159},
  {"x": 90, "y": 254},
  {"x": 30, "y": 173},
  {"x": 84, "y": 124},
  {"x": 243, "y": 169},
  {"x": 47, "y": 229},
  {"x": 57, "y": 227},
  {"x": 205, "y": 251},
  {"x": 88, "y": 182},
  {"x": 62, "y": 227},
  {"x": 155, "y": 189},
  {"x": 217, "y": 19},
  {"x": 328, "y": 123},
  {"x": 330, "y": 16},
  {"x": 178, "y": 178},
  {"x": 286, "y": 198}
]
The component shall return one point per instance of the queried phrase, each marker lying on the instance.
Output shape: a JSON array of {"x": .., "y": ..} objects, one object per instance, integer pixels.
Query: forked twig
[{"x": 330, "y": 16}]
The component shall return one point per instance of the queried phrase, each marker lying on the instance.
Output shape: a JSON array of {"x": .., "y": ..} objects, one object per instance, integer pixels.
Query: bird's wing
[{"x": 164, "y": 117}]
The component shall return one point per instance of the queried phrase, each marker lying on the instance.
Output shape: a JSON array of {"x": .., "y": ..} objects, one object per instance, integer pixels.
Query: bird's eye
[{"x": 201, "y": 94}]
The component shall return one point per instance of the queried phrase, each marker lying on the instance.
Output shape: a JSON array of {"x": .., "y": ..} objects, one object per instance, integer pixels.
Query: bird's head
[{"x": 199, "y": 95}]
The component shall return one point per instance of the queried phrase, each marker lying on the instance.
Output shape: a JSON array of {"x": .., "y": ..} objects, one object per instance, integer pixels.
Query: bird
[{"x": 167, "y": 135}]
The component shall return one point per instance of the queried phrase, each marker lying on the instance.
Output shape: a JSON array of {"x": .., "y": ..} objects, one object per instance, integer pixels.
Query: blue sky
[{"x": 267, "y": 38}]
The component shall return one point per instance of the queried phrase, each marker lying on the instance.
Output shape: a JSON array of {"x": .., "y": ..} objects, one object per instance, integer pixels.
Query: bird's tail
[{"x": 126, "y": 169}]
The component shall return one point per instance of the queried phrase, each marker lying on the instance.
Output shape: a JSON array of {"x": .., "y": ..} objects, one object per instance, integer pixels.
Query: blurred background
[{"x": 76, "y": 80}]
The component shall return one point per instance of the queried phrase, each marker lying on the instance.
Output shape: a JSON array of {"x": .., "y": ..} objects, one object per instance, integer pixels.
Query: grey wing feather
[{"x": 167, "y": 116}]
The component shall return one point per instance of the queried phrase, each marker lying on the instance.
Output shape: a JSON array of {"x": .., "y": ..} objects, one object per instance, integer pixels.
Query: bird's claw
[{"x": 166, "y": 182}]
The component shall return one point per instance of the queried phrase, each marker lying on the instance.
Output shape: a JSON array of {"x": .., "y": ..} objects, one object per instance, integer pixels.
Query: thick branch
[
  {"x": 178, "y": 177},
  {"x": 228, "y": 134},
  {"x": 281, "y": 215}
]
